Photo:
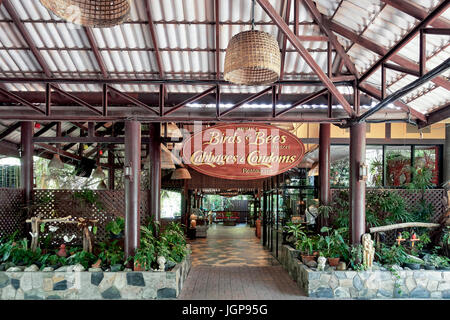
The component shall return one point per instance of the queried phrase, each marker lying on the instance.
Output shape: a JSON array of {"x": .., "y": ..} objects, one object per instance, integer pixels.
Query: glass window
[
  {"x": 427, "y": 156},
  {"x": 374, "y": 160},
  {"x": 340, "y": 167},
  {"x": 398, "y": 165},
  {"x": 170, "y": 204}
]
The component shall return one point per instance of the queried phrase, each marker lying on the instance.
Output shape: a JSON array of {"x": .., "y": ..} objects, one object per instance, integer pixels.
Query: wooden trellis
[
  {"x": 437, "y": 198},
  {"x": 12, "y": 217},
  {"x": 62, "y": 203}
]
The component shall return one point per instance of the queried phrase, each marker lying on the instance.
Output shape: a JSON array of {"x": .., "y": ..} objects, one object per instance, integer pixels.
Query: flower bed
[
  {"x": 366, "y": 284},
  {"x": 94, "y": 285}
]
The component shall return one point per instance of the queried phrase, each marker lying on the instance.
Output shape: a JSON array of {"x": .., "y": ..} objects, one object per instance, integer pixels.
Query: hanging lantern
[
  {"x": 166, "y": 158},
  {"x": 90, "y": 13},
  {"x": 181, "y": 173},
  {"x": 252, "y": 58},
  {"x": 98, "y": 173},
  {"x": 172, "y": 131},
  {"x": 56, "y": 162}
]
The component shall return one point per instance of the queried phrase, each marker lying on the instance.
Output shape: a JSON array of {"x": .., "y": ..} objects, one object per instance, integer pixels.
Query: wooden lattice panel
[
  {"x": 63, "y": 203},
  {"x": 12, "y": 216},
  {"x": 437, "y": 198}
]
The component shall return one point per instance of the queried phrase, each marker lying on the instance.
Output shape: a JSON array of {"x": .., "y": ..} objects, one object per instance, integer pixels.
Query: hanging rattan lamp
[
  {"x": 56, "y": 162},
  {"x": 180, "y": 173},
  {"x": 252, "y": 58},
  {"x": 90, "y": 13}
]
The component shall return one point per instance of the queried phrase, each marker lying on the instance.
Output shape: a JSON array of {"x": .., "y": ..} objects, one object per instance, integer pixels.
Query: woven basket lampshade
[
  {"x": 166, "y": 158},
  {"x": 252, "y": 58},
  {"x": 90, "y": 13},
  {"x": 56, "y": 162},
  {"x": 180, "y": 173}
]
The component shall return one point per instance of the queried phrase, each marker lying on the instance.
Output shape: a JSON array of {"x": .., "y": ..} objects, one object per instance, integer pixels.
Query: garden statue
[
  {"x": 368, "y": 251},
  {"x": 321, "y": 261},
  {"x": 161, "y": 262}
]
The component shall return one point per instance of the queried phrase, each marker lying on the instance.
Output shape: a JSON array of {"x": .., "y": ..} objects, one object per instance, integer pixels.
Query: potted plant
[
  {"x": 412, "y": 263},
  {"x": 116, "y": 228},
  {"x": 391, "y": 255},
  {"x": 333, "y": 244},
  {"x": 143, "y": 260},
  {"x": 306, "y": 246},
  {"x": 228, "y": 221},
  {"x": 294, "y": 231}
]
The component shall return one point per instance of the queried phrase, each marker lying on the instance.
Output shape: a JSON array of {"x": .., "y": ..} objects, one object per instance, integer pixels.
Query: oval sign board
[{"x": 242, "y": 151}]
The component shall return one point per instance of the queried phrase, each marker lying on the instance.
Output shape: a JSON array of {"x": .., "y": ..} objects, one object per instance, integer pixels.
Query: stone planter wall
[
  {"x": 94, "y": 285},
  {"x": 422, "y": 284}
]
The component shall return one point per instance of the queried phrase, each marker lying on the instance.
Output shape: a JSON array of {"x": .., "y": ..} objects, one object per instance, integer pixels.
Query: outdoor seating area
[{"x": 224, "y": 149}]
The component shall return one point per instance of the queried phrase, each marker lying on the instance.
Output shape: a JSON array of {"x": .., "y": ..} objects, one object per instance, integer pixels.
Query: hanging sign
[{"x": 242, "y": 151}]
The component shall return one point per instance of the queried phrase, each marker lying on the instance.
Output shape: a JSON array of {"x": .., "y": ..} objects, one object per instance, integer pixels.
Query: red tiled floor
[{"x": 231, "y": 264}]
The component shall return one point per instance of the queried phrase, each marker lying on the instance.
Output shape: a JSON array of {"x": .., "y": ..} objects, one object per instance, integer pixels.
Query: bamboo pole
[{"x": 404, "y": 225}]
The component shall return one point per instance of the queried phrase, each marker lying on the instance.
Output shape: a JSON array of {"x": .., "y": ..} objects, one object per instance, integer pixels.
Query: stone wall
[
  {"x": 433, "y": 284},
  {"x": 94, "y": 285}
]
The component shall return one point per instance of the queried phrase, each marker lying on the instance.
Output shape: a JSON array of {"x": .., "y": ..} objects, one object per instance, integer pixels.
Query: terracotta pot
[
  {"x": 139, "y": 267},
  {"x": 306, "y": 258},
  {"x": 258, "y": 229},
  {"x": 333, "y": 262}
]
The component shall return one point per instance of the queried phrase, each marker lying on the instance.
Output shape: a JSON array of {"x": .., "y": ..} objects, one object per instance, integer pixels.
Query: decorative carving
[{"x": 368, "y": 251}]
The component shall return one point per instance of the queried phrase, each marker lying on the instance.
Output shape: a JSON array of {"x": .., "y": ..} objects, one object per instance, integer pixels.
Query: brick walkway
[{"x": 231, "y": 264}]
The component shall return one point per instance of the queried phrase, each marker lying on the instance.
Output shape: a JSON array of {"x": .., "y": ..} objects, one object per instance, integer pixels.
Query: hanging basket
[
  {"x": 252, "y": 58},
  {"x": 90, "y": 13}
]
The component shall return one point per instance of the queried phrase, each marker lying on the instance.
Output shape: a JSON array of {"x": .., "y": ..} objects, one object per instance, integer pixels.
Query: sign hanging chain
[{"x": 253, "y": 15}]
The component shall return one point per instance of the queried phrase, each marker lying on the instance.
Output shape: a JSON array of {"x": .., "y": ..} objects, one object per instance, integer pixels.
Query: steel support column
[
  {"x": 447, "y": 156},
  {"x": 26, "y": 159},
  {"x": 154, "y": 150},
  {"x": 132, "y": 186},
  {"x": 264, "y": 215},
  {"x": 324, "y": 167},
  {"x": 357, "y": 186}
]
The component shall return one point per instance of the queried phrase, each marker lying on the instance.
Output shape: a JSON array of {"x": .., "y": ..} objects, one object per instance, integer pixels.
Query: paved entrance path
[{"x": 232, "y": 264}]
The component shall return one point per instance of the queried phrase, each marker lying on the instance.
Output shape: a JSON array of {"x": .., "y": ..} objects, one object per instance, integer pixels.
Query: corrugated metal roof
[{"x": 185, "y": 31}]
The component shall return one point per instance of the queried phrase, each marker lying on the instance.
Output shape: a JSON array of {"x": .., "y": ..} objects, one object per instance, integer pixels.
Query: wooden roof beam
[
  {"x": 318, "y": 18},
  {"x": 437, "y": 115},
  {"x": 273, "y": 14},
  {"x": 131, "y": 99},
  {"x": 217, "y": 27},
  {"x": 46, "y": 128},
  {"x": 303, "y": 101},
  {"x": 249, "y": 99},
  {"x": 440, "y": 9},
  {"x": 96, "y": 51},
  {"x": 375, "y": 93},
  {"x": 151, "y": 27},
  {"x": 283, "y": 47},
  {"x": 18, "y": 99},
  {"x": 27, "y": 37},
  {"x": 9, "y": 130},
  {"x": 406, "y": 89},
  {"x": 191, "y": 99},
  {"x": 380, "y": 50},
  {"x": 417, "y": 12}
]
